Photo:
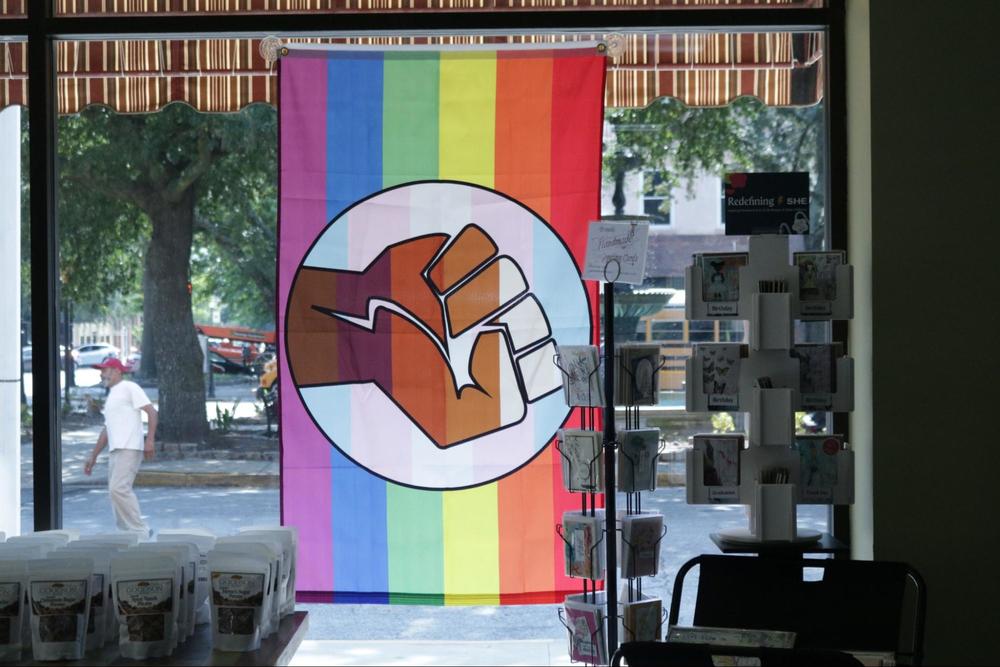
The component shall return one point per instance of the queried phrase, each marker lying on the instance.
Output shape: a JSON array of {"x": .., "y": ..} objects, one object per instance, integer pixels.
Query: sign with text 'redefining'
[{"x": 766, "y": 203}]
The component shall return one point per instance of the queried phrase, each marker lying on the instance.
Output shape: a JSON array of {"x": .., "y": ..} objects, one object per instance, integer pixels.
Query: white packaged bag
[
  {"x": 52, "y": 540},
  {"x": 23, "y": 554},
  {"x": 13, "y": 611},
  {"x": 100, "y": 628},
  {"x": 146, "y": 593},
  {"x": 113, "y": 549},
  {"x": 239, "y": 582},
  {"x": 187, "y": 557},
  {"x": 23, "y": 551},
  {"x": 289, "y": 540},
  {"x": 272, "y": 551},
  {"x": 59, "y": 593},
  {"x": 70, "y": 534},
  {"x": 204, "y": 541}
]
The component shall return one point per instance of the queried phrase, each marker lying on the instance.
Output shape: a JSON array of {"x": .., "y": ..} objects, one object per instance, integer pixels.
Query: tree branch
[
  {"x": 801, "y": 143},
  {"x": 207, "y": 154},
  {"x": 118, "y": 189}
]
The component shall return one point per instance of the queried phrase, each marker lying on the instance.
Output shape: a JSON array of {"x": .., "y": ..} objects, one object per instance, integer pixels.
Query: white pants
[{"x": 123, "y": 465}]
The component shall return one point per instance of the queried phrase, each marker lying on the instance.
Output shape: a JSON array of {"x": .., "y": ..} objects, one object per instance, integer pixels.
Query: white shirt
[{"x": 122, "y": 416}]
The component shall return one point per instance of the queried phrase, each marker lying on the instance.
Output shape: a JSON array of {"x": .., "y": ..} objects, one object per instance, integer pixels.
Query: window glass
[
  {"x": 672, "y": 153},
  {"x": 167, "y": 219},
  {"x": 174, "y": 142}
]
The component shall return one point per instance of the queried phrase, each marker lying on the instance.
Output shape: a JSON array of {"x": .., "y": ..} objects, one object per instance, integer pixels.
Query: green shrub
[
  {"x": 722, "y": 422},
  {"x": 224, "y": 418}
]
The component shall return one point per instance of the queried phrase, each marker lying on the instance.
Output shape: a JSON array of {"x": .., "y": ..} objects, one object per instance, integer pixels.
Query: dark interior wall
[{"x": 935, "y": 149}]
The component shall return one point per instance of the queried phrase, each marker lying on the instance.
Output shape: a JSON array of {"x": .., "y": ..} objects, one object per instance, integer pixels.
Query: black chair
[
  {"x": 841, "y": 604},
  {"x": 672, "y": 654}
]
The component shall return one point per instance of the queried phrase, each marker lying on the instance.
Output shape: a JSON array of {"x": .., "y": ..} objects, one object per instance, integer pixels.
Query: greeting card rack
[
  {"x": 592, "y": 644},
  {"x": 774, "y": 378},
  {"x": 640, "y": 470},
  {"x": 608, "y": 599},
  {"x": 637, "y": 567}
]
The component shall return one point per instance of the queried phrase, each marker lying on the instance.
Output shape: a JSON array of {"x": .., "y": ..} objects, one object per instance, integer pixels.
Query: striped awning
[
  {"x": 225, "y": 75},
  {"x": 148, "y": 7}
]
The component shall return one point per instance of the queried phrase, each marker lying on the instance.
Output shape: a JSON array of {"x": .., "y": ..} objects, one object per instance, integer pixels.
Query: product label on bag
[
  {"x": 145, "y": 603},
  {"x": 236, "y": 595},
  {"x": 10, "y": 607},
  {"x": 58, "y": 604}
]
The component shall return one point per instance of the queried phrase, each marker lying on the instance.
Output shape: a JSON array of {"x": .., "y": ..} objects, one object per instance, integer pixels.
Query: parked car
[{"x": 93, "y": 353}]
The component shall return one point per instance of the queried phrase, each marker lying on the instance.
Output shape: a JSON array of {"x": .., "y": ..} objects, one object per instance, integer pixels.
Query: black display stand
[{"x": 610, "y": 438}]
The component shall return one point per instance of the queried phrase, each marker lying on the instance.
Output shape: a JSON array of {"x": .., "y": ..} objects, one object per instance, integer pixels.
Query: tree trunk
[
  {"x": 618, "y": 198},
  {"x": 167, "y": 307},
  {"x": 147, "y": 367}
]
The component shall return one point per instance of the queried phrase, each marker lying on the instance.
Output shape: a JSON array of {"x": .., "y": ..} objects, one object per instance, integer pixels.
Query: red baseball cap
[{"x": 113, "y": 362}]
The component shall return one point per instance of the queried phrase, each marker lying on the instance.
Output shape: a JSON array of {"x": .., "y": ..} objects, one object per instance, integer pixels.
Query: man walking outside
[{"x": 122, "y": 434}]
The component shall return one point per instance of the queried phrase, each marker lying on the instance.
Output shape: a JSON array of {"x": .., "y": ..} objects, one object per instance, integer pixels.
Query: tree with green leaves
[
  {"x": 235, "y": 241},
  {"x": 671, "y": 144},
  {"x": 158, "y": 180},
  {"x": 677, "y": 142},
  {"x": 674, "y": 140}
]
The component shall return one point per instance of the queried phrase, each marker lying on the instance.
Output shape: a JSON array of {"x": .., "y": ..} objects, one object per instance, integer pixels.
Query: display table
[
  {"x": 277, "y": 649},
  {"x": 826, "y": 544}
]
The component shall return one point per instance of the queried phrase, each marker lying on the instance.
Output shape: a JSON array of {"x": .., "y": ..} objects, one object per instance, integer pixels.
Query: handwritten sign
[{"x": 616, "y": 252}]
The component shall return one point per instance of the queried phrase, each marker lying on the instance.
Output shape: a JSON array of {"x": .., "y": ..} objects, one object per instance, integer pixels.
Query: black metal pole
[
  {"x": 46, "y": 445},
  {"x": 611, "y": 585}
]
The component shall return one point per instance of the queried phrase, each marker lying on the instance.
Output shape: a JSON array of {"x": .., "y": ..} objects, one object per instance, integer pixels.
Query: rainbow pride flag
[{"x": 433, "y": 218}]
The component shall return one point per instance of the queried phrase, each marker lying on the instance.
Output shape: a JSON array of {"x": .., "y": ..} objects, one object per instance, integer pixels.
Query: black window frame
[{"x": 42, "y": 28}]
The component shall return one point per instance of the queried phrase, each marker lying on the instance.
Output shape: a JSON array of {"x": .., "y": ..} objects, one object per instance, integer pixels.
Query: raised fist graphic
[{"x": 444, "y": 324}]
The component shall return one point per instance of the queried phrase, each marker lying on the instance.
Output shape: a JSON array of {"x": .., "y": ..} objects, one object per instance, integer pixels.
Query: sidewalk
[
  {"x": 524, "y": 652},
  {"x": 191, "y": 470}
]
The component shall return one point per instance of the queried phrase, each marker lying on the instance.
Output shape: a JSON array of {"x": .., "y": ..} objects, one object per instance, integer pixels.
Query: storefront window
[
  {"x": 167, "y": 211},
  {"x": 167, "y": 220}
]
